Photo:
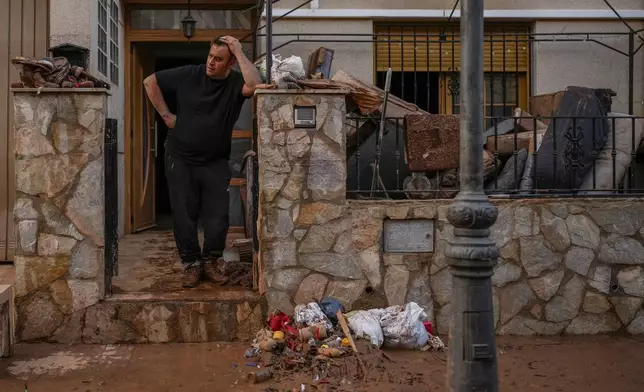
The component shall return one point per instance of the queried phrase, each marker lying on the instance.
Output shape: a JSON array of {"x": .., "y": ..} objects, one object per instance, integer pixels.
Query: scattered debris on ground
[
  {"x": 322, "y": 347},
  {"x": 236, "y": 267}
]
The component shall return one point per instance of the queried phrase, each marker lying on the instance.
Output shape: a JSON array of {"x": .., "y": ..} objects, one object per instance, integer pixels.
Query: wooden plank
[
  {"x": 28, "y": 27},
  {"x": 544, "y": 105},
  {"x": 41, "y": 32},
  {"x": 239, "y": 134},
  {"x": 15, "y": 49},
  {"x": 505, "y": 144},
  {"x": 223, "y": 4},
  {"x": 127, "y": 140},
  {"x": 5, "y": 126},
  {"x": 177, "y": 35}
]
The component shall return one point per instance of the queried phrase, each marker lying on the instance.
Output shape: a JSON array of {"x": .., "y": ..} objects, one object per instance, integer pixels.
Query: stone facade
[
  {"x": 567, "y": 265},
  {"x": 59, "y": 207},
  {"x": 304, "y": 224}
]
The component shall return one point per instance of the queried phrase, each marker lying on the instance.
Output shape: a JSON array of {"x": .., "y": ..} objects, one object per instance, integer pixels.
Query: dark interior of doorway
[
  {"x": 413, "y": 87},
  {"x": 163, "y": 211}
]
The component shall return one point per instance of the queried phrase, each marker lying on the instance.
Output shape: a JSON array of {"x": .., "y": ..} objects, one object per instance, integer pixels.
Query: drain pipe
[{"x": 269, "y": 41}]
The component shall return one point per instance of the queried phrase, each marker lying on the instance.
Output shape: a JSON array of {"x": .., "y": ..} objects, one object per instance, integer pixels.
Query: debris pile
[
  {"x": 53, "y": 72},
  {"x": 321, "y": 345},
  {"x": 236, "y": 267}
]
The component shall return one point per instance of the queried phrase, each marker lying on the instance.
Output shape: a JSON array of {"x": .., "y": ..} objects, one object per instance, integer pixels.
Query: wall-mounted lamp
[{"x": 188, "y": 24}]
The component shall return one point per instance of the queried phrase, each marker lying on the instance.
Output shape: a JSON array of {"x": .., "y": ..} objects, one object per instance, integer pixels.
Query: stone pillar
[
  {"x": 304, "y": 224},
  {"x": 59, "y": 208}
]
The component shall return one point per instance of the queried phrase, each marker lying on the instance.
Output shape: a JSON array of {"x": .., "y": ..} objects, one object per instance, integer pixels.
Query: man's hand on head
[{"x": 233, "y": 44}]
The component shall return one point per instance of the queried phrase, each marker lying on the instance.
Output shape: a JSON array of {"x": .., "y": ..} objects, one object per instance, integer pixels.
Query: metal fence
[
  {"x": 572, "y": 156},
  {"x": 425, "y": 60}
]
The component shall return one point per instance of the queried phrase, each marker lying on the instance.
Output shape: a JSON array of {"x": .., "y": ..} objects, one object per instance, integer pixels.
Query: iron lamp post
[{"x": 472, "y": 364}]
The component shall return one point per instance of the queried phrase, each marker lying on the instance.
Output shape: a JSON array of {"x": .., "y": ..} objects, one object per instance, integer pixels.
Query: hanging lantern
[{"x": 188, "y": 24}]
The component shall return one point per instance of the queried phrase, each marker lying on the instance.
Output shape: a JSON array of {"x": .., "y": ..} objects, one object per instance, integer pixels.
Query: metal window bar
[
  {"x": 568, "y": 157},
  {"x": 492, "y": 117}
]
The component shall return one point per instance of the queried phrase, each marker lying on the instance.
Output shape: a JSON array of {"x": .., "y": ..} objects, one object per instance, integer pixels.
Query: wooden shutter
[{"x": 412, "y": 48}]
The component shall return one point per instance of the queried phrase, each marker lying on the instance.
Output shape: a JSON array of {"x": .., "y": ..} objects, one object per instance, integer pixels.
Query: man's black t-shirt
[{"x": 207, "y": 110}]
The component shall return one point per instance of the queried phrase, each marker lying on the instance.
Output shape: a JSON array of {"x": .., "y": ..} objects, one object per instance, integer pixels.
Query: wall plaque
[{"x": 408, "y": 235}]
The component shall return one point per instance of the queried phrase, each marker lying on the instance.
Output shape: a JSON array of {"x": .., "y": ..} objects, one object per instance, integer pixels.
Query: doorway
[{"x": 148, "y": 259}]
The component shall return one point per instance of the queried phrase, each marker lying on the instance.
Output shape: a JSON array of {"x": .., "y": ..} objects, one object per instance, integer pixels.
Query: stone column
[
  {"x": 304, "y": 225},
  {"x": 59, "y": 208}
]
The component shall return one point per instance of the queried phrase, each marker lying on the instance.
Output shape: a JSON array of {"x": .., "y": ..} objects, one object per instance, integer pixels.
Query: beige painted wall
[
  {"x": 448, "y": 4},
  {"x": 555, "y": 64},
  {"x": 560, "y": 64},
  {"x": 70, "y": 22},
  {"x": 355, "y": 58}
]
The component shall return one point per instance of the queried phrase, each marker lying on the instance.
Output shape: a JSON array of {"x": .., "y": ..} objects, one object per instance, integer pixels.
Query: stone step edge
[{"x": 223, "y": 296}]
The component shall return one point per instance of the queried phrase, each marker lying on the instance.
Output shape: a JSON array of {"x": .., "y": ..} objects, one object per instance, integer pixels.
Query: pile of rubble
[
  {"x": 574, "y": 131},
  {"x": 322, "y": 346},
  {"x": 236, "y": 267}
]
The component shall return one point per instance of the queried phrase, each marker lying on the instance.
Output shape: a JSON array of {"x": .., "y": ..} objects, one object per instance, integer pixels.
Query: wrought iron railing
[{"x": 523, "y": 157}]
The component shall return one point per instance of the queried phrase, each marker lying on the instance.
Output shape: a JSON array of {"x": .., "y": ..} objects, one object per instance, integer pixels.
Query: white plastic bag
[
  {"x": 284, "y": 72},
  {"x": 366, "y": 325},
  {"x": 312, "y": 314},
  {"x": 403, "y": 327}
]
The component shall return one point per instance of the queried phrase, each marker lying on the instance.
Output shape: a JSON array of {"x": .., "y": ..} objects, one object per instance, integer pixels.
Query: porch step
[{"x": 186, "y": 317}]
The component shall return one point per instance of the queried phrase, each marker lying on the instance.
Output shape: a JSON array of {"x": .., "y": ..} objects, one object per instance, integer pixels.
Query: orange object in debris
[
  {"x": 315, "y": 331},
  {"x": 345, "y": 342},
  {"x": 278, "y": 335},
  {"x": 331, "y": 352}
]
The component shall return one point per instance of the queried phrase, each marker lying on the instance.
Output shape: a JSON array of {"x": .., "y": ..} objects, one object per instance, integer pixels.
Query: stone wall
[
  {"x": 304, "y": 222},
  {"x": 59, "y": 211},
  {"x": 567, "y": 265}
]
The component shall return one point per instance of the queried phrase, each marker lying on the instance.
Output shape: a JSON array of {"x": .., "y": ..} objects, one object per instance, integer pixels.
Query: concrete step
[{"x": 222, "y": 316}]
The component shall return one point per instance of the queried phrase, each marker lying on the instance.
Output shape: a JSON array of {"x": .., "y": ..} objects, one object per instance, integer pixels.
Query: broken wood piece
[
  {"x": 346, "y": 330},
  {"x": 544, "y": 105},
  {"x": 320, "y": 63},
  {"x": 505, "y": 144}
]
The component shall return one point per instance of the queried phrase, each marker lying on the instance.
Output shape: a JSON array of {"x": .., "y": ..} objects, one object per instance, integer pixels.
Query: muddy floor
[{"x": 585, "y": 364}]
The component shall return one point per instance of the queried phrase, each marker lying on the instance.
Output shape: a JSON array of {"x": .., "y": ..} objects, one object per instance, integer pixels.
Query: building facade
[
  {"x": 531, "y": 48},
  {"x": 542, "y": 47}
]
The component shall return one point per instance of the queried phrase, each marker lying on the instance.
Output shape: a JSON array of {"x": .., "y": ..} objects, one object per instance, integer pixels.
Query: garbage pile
[
  {"x": 53, "y": 72},
  {"x": 236, "y": 267},
  {"x": 321, "y": 345}
]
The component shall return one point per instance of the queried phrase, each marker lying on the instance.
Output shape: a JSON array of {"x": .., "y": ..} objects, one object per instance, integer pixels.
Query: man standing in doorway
[{"x": 209, "y": 100}]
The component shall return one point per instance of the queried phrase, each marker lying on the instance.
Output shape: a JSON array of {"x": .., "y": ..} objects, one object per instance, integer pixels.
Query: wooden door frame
[{"x": 132, "y": 37}]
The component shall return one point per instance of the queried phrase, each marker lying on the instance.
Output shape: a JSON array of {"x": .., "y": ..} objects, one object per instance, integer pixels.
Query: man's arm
[
  {"x": 251, "y": 75},
  {"x": 156, "y": 97}
]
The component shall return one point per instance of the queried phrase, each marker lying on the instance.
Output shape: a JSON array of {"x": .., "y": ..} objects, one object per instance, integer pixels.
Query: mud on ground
[{"x": 586, "y": 364}]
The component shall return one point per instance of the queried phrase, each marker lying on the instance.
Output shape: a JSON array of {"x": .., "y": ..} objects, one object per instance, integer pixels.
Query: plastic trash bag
[
  {"x": 312, "y": 314},
  {"x": 284, "y": 72},
  {"x": 366, "y": 325},
  {"x": 330, "y": 307},
  {"x": 402, "y": 327}
]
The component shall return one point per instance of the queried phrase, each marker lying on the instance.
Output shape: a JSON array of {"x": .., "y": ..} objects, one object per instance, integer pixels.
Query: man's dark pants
[{"x": 198, "y": 191}]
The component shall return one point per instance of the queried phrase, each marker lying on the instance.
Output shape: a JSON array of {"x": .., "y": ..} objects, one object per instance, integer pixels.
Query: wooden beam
[
  {"x": 223, "y": 4},
  {"x": 203, "y": 35}
]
